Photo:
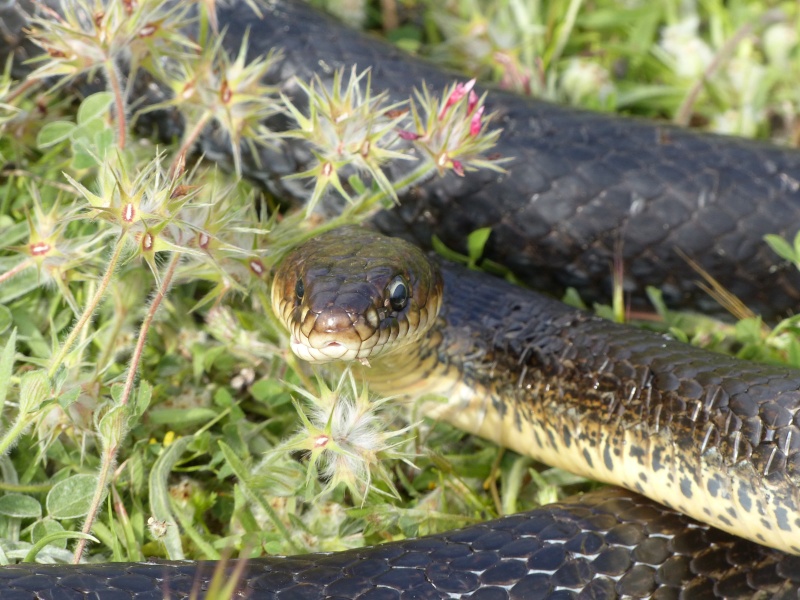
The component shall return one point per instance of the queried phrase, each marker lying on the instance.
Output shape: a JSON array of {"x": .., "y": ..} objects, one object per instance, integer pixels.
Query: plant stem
[
  {"x": 723, "y": 54},
  {"x": 166, "y": 281},
  {"x": 110, "y": 454},
  {"x": 360, "y": 209},
  {"x": 21, "y": 422},
  {"x": 21, "y": 266},
  {"x": 90, "y": 308},
  {"x": 23, "y": 488},
  {"x": 106, "y": 466},
  {"x": 23, "y": 87},
  {"x": 119, "y": 103},
  {"x": 191, "y": 137}
]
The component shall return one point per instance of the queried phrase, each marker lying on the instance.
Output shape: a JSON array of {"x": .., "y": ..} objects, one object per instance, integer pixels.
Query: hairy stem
[
  {"x": 21, "y": 422},
  {"x": 90, "y": 308},
  {"x": 362, "y": 208},
  {"x": 191, "y": 138},
  {"x": 106, "y": 466},
  {"x": 19, "y": 267},
  {"x": 119, "y": 103},
  {"x": 111, "y": 451},
  {"x": 166, "y": 281}
]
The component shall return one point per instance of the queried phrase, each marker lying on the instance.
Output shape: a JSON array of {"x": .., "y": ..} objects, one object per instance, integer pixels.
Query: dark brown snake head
[{"x": 352, "y": 294}]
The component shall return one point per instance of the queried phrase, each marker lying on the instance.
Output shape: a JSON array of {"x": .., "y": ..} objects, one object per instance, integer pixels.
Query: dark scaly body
[
  {"x": 711, "y": 436},
  {"x": 580, "y": 185},
  {"x": 607, "y": 544}
]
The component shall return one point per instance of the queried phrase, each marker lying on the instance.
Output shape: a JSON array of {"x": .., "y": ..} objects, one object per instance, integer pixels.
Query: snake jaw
[
  {"x": 330, "y": 334},
  {"x": 348, "y": 307},
  {"x": 327, "y": 352}
]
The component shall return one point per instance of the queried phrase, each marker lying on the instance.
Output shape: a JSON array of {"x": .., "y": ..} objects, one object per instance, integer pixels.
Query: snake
[
  {"x": 713, "y": 440},
  {"x": 581, "y": 189},
  {"x": 705, "y": 435}
]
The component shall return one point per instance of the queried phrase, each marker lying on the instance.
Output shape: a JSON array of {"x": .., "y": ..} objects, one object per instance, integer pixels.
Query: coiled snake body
[
  {"x": 679, "y": 425},
  {"x": 704, "y": 434}
]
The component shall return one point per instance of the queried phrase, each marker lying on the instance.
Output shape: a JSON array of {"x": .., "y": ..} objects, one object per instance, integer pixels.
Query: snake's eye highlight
[
  {"x": 299, "y": 289},
  {"x": 398, "y": 293}
]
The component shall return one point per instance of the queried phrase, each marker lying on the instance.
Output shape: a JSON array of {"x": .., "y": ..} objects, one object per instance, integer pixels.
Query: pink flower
[
  {"x": 459, "y": 91},
  {"x": 473, "y": 100},
  {"x": 408, "y": 135},
  {"x": 458, "y": 168},
  {"x": 475, "y": 123}
]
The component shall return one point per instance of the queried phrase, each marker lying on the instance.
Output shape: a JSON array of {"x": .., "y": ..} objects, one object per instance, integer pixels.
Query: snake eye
[
  {"x": 299, "y": 289},
  {"x": 398, "y": 293}
]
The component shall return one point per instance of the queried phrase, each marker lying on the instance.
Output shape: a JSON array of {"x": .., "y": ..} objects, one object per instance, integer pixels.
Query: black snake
[{"x": 736, "y": 419}]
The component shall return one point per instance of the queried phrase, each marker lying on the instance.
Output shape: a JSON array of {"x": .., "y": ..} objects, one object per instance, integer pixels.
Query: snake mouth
[{"x": 327, "y": 351}]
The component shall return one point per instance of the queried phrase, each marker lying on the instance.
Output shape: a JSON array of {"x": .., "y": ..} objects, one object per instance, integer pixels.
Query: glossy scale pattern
[{"x": 608, "y": 544}]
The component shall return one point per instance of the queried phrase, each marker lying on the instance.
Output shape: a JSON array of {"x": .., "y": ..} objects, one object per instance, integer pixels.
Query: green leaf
[
  {"x": 793, "y": 352},
  {"x": 34, "y": 389},
  {"x": 53, "y": 133},
  {"x": 6, "y": 366},
  {"x": 85, "y": 157},
  {"x": 20, "y": 506},
  {"x": 53, "y": 537},
  {"x": 573, "y": 298},
  {"x": 142, "y": 399},
  {"x": 679, "y": 335},
  {"x": 223, "y": 398},
  {"x": 69, "y": 397},
  {"x": 45, "y": 527},
  {"x": 103, "y": 141},
  {"x": 236, "y": 464},
  {"x": 266, "y": 388},
  {"x": 357, "y": 184},
  {"x": 270, "y": 391},
  {"x": 181, "y": 417},
  {"x": 70, "y": 499},
  {"x": 748, "y": 331},
  {"x": 442, "y": 250},
  {"x": 19, "y": 285},
  {"x": 113, "y": 425},
  {"x": 781, "y": 247},
  {"x": 95, "y": 106},
  {"x": 5, "y": 318},
  {"x": 476, "y": 242},
  {"x": 27, "y": 327},
  {"x": 159, "y": 495},
  {"x": 117, "y": 389}
]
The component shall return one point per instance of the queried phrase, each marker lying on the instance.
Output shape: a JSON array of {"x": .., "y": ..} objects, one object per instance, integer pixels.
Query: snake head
[{"x": 353, "y": 294}]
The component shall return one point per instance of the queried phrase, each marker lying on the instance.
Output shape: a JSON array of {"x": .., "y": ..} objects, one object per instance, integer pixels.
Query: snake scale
[{"x": 733, "y": 418}]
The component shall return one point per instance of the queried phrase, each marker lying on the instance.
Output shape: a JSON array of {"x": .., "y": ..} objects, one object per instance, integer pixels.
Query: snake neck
[
  {"x": 699, "y": 432},
  {"x": 419, "y": 369}
]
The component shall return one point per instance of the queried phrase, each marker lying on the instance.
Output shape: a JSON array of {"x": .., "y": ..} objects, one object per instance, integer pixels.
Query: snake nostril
[{"x": 333, "y": 320}]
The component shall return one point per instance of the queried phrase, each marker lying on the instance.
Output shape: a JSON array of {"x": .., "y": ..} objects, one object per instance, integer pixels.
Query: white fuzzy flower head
[
  {"x": 584, "y": 79},
  {"x": 779, "y": 41},
  {"x": 346, "y": 435},
  {"x": 690, "y": 55}
]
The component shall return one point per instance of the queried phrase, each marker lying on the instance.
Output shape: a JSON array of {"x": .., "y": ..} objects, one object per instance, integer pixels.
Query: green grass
[
  {"x": 724, "y": 66},
  {"x": 178, "y": 388}
]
